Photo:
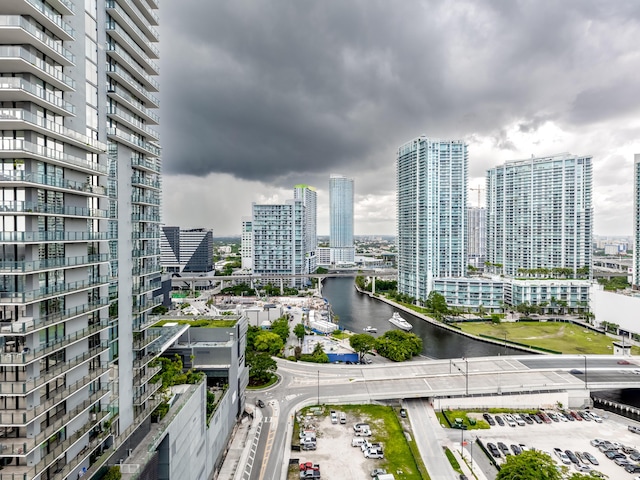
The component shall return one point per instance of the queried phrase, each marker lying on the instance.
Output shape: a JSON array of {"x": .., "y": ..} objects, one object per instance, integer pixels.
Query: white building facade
[
  {"x": 80, "y": 189},
  {"x": 476, "y": 236},
  {"x": 279, "y": 241},
  {"x": 636, "y": 223},
  {"x": 539, "y": 214},
  {"x": 341, "y": 199},
  {"x": 431, "y": 185},
  {"x": 309, "y": 198},
  {"x": 246, "y": 244}
]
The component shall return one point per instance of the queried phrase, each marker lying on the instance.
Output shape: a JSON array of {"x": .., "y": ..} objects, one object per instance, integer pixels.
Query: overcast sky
[{"x": 258, "y": 96}]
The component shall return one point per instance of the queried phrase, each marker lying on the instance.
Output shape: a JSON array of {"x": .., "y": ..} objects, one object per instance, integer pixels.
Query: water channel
[{"x": 356, "y": 311}]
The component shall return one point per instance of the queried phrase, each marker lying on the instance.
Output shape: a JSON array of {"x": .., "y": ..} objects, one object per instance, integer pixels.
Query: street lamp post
[
  {"x": 318, "y": 387},
  {"x": 586, "y": 379},
  {"x": 467, "y": 376}
]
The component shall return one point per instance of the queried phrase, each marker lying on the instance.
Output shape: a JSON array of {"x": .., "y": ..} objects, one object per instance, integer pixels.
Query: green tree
[
  {"x": 398, "y": 346},
  {"x": 280, "y": 327},
  {"x": 437, "y": 304},
  {"x": 534, "y": 465},
  {"x": 299, "y": 331},
  {"x": 362, "y": 343},
  {"x": 261, "y": 367},
  {"x": 113, "y": 473},
  {"x": 268, "y": 342},
  {"x": 252, "y": 333}
]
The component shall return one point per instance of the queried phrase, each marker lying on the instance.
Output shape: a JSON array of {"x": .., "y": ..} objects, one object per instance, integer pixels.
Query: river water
[{"x": 356, "y": 311}]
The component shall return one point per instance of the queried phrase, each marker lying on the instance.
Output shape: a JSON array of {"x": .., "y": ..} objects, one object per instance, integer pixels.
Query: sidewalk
[{"x": 236, "y": 464}]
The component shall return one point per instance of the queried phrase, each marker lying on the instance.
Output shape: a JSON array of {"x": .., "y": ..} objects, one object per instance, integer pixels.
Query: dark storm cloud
[{"x": 261, "y": 89}]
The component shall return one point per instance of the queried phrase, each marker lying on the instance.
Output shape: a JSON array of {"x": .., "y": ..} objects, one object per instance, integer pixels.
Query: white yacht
[
  {"x": 400, "y": 322},
  {"x": 370, "y": 329}
]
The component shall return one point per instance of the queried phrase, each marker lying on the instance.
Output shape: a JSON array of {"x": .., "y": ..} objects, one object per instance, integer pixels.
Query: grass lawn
[
  {"x": 464, "y": 415},
  {"x": 560, "y": 336}
]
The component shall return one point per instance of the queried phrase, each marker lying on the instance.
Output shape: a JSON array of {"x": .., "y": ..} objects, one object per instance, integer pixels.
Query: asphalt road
[{"x": 303, "y": 384}]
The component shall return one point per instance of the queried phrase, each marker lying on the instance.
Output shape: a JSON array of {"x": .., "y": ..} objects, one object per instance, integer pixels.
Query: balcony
[
  {"x": 122, "y": 117},
  {"x": 55, "y": 183},
  {"x": 148, "y": 235},
  {"x": 149, "y": 14},
  {"x": 151, "y": 388},
  {"x": 141, "y": 323},
  {"x": 34, "y": 208},
  {"x": 23, "y": 388},
  {"x": 25, "y": 33},
  {"x": 52, "y": 291},
  {"x": 143, "y": 361},
  {"x": 19, "y": 59},
  {"x": 29, "y": 356},
  {"x": 41, "y": 237},
  {"x": 25, "y": 445},
  {"x": 16, "y": 118},
  {"x": 18, "y": 148},
  {"x": 27, "y": 325},
  {"x": 146, "y": 165},
  {"x": 151, "y": 372},
  {"x": 141, "y": 182},
  {"x": 20, "y": 418},
  {"x": 132, "y": 141},
  {"x": 145, "y": 289},
  {"x": 18, "y": 89},
  {"x": 124, "y": 19},
  {"x": 122, "y": 96},
  {"x": 45, "y": 15},
  {"x": 142, "y": 21},
  {"x": 138, "y": 217},
  {"x": 120, "y": 55},
  {"x": 51, "y": 264},
  {"x": 146, "y": 341},
  {"x": 121, "y": 36},
  {"x": 145, "y": 199},
  {"x": 122, "y": 76}
]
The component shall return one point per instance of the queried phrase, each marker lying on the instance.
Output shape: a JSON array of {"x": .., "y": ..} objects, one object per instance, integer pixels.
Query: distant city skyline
[{"x": 336, "y": 87}]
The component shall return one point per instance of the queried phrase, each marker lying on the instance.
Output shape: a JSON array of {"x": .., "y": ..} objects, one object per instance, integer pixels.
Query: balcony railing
[
  {"x": 45, "y": 68},
  {"x": 19, "y": 21},
  {"x": 133, "y": 83},
  {"x": 133, "y": 104},
  {"x": 151, "y": 388},
  {"x": 53, "y": 290},
  {"x": 145, "y": 182},
  {"x": 30, "y": 355},
  {"x": 64, "y": 132},
  {"x": 38, "y": 237},
  {"x": 32, "y": 384},
  {"x": 7, "y": 83},
  {"x": 132, "y": 122},
  {"x": 54, "y": 17},
  {"x": 125, "y": 41},
  {"x": 51, "y": 263},
  {"x": 48, "y": 209},
  {"x": 146, "y": 164},
  {"x": 20, "y": 418},
  {"x": 126, "y": 18},
  {"x": 142, "y": 76},
  {"x": 127, "y": 137},
  {"x": 9, "y": 144}
]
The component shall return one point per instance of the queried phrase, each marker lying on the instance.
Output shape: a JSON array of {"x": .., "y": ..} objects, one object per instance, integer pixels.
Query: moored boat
[
  {"x": 400, "y": 322},
  {"x": 370, "y": 329}
]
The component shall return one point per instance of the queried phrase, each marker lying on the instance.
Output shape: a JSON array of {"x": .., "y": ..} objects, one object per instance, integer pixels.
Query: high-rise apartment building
[
  {"x": 246, "y": 244},
  {"x": 431, "y": 213},
  {"x": 341, "y": 220},
  {"x": 635, "y": 283},
  {"x": 309, "y": 198},
  {"x": 476, "y": 236},
  {"x": 279, "y": 241},
  {"x": 80, "y": 194},
  {"x": 539, "y": 214},
  {"x": 186, "y": 250}
]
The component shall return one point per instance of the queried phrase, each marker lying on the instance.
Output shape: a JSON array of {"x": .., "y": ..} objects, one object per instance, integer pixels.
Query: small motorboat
[{"x": 370, "y": 329}]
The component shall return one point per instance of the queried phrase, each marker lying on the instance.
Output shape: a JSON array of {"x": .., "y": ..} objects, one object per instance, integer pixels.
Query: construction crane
[{"x": 479, "y": 190}]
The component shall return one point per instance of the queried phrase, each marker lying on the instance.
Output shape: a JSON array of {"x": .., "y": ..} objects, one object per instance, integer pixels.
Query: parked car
[
  {"x": 635, "y": 456},
  {"x": 363, "y": 433},
  {"x": 359, "y": 426},
  {"x": 373, "y": 453},
  {"x": 582, "y": 467},
  {"x": 621, "y": 462},
  {"x": 403, "y": 413},
  {"x": 334, "y": 417},
  {"x": 378, "y": 471},
  {"x": 527, "y": 418},
  {"x": 561, "y": 417},
  {"x": 584, "y": 415},
  {"x": 575, "y": 415},
  {"x": 499, "y": 420},
  {"x": 595, "y": 442},
  {"x": 595, "y": 417},
  {"x": 613, "y": 455},
  {"x": 519, "y": 420},
  {"x": 572, "y": 456},
  {"x": 553, "y": 416},
  {"x": 634, "y": 429},
  {"x": 537, "y": 418},
  {"x": 488, "y": 418},
  {"x": 516, "y": 449},
  {"x": 260, "y": 403},
  {"x": 509, "y": 419},
  {"x": 545, "y": 417},
  {"x": 632, "y": 468},
  {"x": 493, "y": 450},
  {"x": 503, "y": 448},
  {"x": 562, "y": 456},
  {"x": 593, "y": 460}
]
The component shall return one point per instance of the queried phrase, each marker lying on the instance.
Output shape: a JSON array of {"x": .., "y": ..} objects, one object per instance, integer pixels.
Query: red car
[{"x": 575, "y": 415}]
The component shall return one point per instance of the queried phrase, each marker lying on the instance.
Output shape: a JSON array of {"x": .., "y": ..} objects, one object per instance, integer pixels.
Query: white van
[
  {"x": 343, "y": 418},
  {"x": 386, "y": 476},
  {"x": 357, "y": 441}
]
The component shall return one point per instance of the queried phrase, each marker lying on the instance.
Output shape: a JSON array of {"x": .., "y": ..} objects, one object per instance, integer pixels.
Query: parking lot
[
  {"x": 570, "y": 435},
  {"x": 334, "y": 453}
]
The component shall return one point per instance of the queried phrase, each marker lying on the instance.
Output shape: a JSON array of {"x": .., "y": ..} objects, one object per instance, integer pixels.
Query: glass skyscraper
[
  {"x": 80, "y": 214},
  {"x": 431, "y": 185},
  {"x": 309, "y": 198},
  {"x": 341, "y": 220},
  {"x": 539, "y": 214},
  {"x": 636, "y": 222}
]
